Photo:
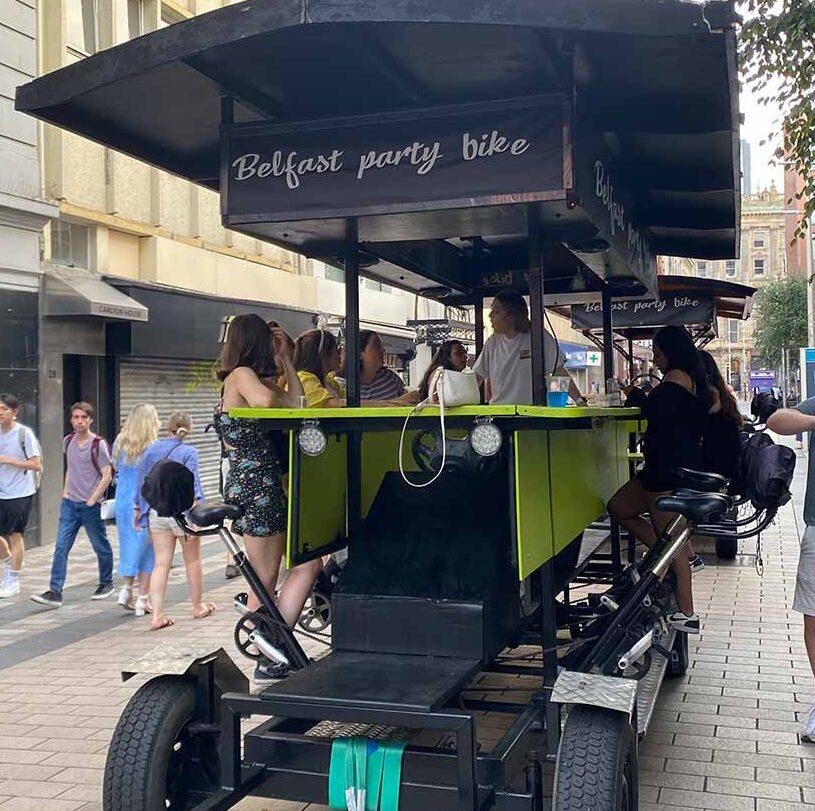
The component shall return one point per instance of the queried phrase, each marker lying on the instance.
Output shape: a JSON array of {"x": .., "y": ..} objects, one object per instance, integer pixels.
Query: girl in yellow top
[{"x": 317, "y": 359}]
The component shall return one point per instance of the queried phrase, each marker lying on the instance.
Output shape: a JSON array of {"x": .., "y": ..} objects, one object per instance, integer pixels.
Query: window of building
[
  {"x": 169, "y": 16},
  {"x": 759, "y": 240},
  {"x": 135, "y": 18},
  {"x": 81, "y": 21},
  {"x": 701, "y": 269},
  {"x": 334, "y": 274},
  {"x": 69, "y": 244},
  {"x": 729, "y": 267},
  {"x": 733, "y": 331},
  {"x": 758, "y": 267}
]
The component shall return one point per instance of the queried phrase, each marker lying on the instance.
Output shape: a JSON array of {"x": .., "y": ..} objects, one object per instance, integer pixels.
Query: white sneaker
[
  {"x": 10, "y": 586},
  {"x": 126, "y": 598},
  {"x": 142, "y": 604},
  {"x": 683, "y": 623},
  {"x": 808, "y": 727}
]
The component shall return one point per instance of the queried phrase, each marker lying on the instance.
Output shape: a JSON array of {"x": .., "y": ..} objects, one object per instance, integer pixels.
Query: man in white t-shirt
[
  {"x": 505, "y": 363},
  {"x": 19, "y": 465}
]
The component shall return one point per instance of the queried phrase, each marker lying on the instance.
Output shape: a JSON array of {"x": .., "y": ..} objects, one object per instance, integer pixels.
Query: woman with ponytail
[
  {"x": 676, "y": 412},
  {"x": 165, "y": 531}
]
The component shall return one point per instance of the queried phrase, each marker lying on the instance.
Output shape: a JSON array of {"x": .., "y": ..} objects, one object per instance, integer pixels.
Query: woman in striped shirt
[{"x": 377, "y": 381}]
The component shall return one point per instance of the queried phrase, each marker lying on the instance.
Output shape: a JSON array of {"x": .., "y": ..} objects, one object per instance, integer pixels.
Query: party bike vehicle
[{"x": 489, "y": 648}]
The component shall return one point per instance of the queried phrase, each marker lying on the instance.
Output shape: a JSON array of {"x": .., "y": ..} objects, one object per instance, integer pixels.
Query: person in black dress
[
  {"x": 676, "y": 412},
  {"x": 721, "y": 443}
]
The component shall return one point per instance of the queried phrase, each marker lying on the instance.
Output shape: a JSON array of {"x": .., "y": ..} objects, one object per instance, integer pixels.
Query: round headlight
[
  {"x": 311, "y": 439},
  {"x": 486, "y": 438}
]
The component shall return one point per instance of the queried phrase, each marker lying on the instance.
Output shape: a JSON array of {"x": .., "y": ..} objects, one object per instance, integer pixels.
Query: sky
[{"x": 759, "y": 123}]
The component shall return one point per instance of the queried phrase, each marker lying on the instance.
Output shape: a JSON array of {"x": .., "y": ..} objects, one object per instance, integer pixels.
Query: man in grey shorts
[{"x": 788, "y": 422}]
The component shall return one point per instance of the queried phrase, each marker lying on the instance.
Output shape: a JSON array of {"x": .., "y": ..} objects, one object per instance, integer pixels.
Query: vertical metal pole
[
  {"x": 631, "y": 368},
  {"x": 352, "y": 370},
  {"x": 478, "y": 259},
  {"x": 466, "y": 754},
  {"x": 549, "y": 653},
  {"x": 536, "y": 303},
  {"x": 608, "y": 339}
]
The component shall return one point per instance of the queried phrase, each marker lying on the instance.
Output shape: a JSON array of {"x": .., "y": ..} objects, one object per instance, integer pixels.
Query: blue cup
[{"x": 557, "y": 399}]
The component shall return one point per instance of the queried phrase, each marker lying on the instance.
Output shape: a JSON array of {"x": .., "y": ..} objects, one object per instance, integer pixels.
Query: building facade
[
  {"x": 23, "y": 213},
  {"x": 138, "y": 273},
  {"x": 763, "y": 258}
]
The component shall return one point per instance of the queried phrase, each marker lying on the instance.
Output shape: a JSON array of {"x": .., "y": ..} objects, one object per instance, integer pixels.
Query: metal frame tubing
[
  {"x": 462, "y": 725},
  {"x": 352, "y": 353}
]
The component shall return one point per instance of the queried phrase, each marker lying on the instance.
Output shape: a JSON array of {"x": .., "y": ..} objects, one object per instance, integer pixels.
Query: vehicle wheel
[
  {"x": 726, "y": 548},
  {"x": 154, "y": 762},
  {"x": 596, "y": 762},
  {"x": 678, "y": 660}
]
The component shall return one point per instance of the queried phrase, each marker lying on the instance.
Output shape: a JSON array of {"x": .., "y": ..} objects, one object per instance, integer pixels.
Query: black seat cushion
[
  {"x": 698, "y": 508},
  {"x": 210, "y": 513},
  {"x": 700, "y": 480}
]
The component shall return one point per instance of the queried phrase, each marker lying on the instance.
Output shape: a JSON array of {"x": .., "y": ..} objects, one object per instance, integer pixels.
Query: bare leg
[
  {"x": 627, "y": 506},
  {"x": 128, "y": 581},
  {"x": 191, "y": 550},
  {"x": 681, "y": 563},
  {"x": 264, "y": 554},
  {"x": 163, "y": 546},
  {"x": 296, "y": 589},
  {"x": 144, "y": 584},
  {"x": 5, "y": 552},
  {"x": 16, "y": 547},
  {"x": 809, "y": 639}
]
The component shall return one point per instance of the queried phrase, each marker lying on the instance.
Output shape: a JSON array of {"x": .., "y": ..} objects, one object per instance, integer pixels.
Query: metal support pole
[
  {"x": 536, "y": 303},
  {"x": 478, "y": 258},
  {"x": 608, "y": 340},
  {"x": 352, "y": 370},
  {"x": 549, "y": 653}
]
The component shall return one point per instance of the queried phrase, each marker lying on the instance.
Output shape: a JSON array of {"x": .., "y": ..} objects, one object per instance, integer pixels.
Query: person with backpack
[
  {"x": 165, "y": 530},
  {"x": 20, "y": 466},
  {"x": 788, "y": 422},
  {"x": 88, "y": 474},
  {"x": 136, "y": 558}
]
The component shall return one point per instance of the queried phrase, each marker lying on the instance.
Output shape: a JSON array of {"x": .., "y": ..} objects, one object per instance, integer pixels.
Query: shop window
[
  {"x": 702, "y": 269},
  {"x": 82, "y": 21},
  {"x": 334, "y": 274},
  {"x": 759, "y": 240},
  {"x": 730, "y": 267},
  {"x": 69, "y": 244},
  {"x": 758, "y": 267}
]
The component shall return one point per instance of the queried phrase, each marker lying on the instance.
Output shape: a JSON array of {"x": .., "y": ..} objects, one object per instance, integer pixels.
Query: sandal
[
  {"x": 165, "y": 623},
  {"x": 209, "y": 608}
]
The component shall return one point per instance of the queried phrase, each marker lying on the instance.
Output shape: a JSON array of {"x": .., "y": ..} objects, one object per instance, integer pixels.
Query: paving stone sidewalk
[{"x": 724, "y": 736}]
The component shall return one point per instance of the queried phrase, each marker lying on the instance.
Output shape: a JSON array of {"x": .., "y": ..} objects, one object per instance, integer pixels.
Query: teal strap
[{"x": 365, "y": 775}]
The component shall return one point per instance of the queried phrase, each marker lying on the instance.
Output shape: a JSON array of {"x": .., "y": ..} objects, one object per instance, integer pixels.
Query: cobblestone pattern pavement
[{"x": 723, "y": 737}]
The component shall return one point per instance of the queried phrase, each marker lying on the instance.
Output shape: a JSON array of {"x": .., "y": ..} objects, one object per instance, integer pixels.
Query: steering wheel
[{"x": 460, "y": 454}]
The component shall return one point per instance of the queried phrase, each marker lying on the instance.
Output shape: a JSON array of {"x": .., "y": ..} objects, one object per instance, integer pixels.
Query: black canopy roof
[{"x": 655, "y": 80}]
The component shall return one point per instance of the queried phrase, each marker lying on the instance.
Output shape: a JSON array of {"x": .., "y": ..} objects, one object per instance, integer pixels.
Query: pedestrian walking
[
  {"x": 789, "y": 422},
  {"x": 87, "y": 476},
  {"x": 165, "y": 531},
  {"x": 20, "y": 465},
  {"x": 136, "y": 557}
]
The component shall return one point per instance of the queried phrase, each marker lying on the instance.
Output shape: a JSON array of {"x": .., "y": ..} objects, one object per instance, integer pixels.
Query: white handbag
[{"x": 449, "y": 389}]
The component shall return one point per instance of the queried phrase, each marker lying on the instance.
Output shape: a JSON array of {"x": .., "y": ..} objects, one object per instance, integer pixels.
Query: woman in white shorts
[{"x": 165, "y": 531}]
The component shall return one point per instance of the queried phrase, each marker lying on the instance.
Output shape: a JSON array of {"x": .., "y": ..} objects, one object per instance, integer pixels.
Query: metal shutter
[{"x": 176, "y": 385}]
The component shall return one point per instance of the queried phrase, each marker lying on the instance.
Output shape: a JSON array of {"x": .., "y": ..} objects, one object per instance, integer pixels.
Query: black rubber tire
[
  {"x": 596, "y": 762},
  {"x": 678, "y": 660},
  {"x": 726, "y": 548},
  {"x": 136, "y": 769}
]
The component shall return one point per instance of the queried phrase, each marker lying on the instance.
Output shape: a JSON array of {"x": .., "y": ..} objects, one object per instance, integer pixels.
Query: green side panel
[
  {"x": 533, "y": 513},
  {"x": 575, "y": 412},
  {"x": 321, "y": 503},
  {"x": 426, "y": 413},
  {"x": 586, "y": 471}
]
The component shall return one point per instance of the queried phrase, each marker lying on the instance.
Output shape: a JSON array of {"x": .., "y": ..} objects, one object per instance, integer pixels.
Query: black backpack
[
  {"x": 766, "y": 471},
  {"x": 169, "y": 488},
  {"x": 764, "y": 404}
]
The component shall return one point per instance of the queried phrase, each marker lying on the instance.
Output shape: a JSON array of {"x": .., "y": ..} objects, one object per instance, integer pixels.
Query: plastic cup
[{"x": 557, "y": 391}]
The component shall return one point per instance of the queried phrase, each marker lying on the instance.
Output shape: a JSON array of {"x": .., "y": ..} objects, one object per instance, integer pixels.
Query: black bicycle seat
[
  {"x": 699, "y": 508},
  {"x": 210, "y": 513},
  {"x": 699, "y": 480}
]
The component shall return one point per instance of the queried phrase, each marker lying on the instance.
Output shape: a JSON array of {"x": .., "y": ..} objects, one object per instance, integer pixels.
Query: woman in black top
[
  {"x": 675, "y": 411},
  {"x": 721, "y": 443}
]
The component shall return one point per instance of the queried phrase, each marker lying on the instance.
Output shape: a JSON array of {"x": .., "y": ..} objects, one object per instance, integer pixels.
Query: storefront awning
[{"x": 77, "y": 292}]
